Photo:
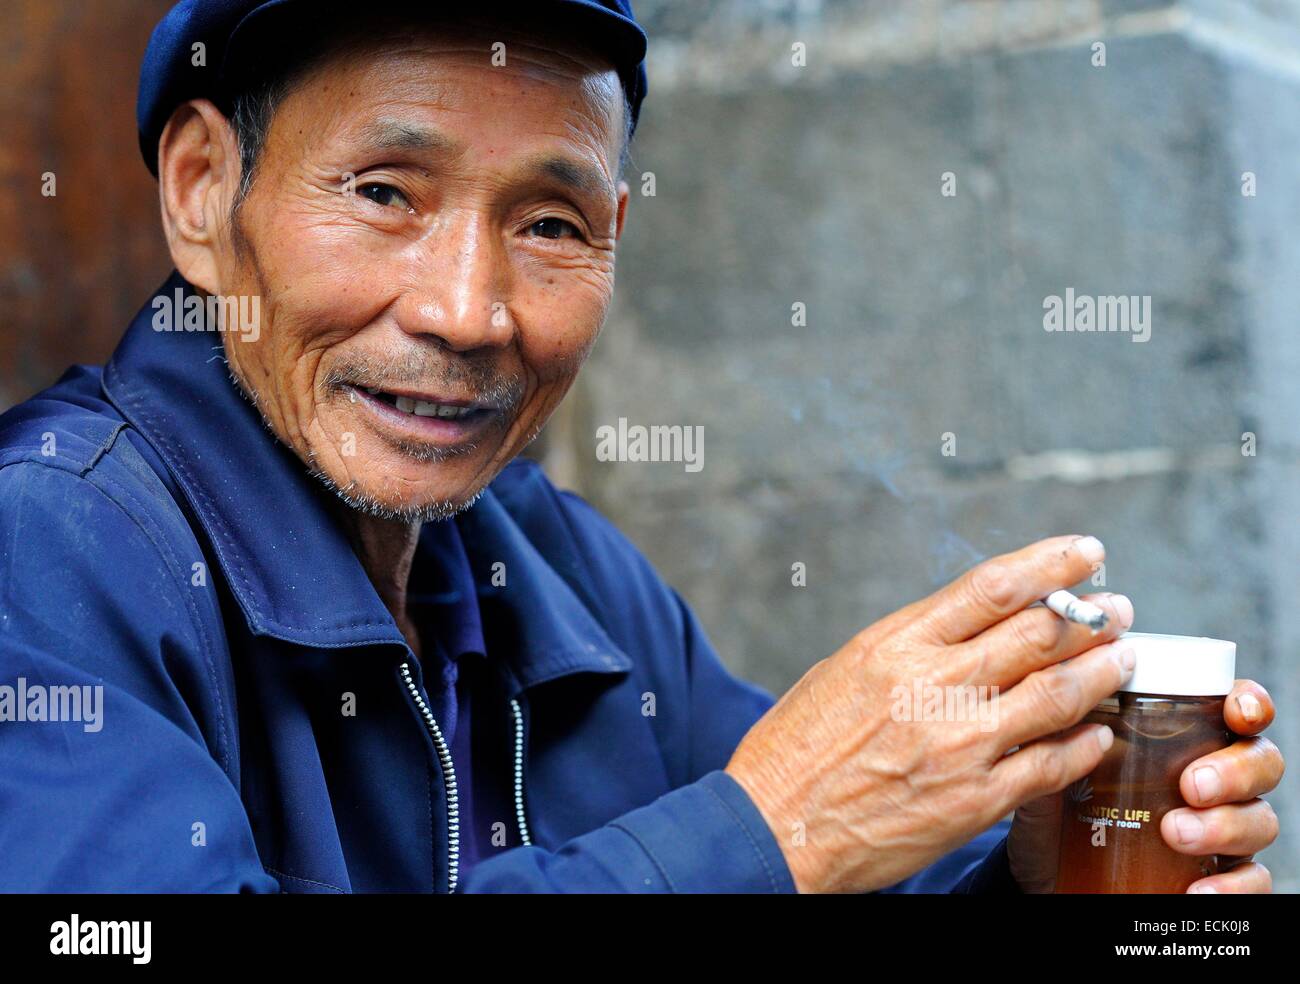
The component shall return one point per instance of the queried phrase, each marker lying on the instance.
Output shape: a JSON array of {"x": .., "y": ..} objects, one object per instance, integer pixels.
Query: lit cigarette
[{"x": 1076, "y": 610}]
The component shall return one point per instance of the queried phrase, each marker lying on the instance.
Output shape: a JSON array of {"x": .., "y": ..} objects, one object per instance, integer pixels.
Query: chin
[
  {"x": 415, "y": 482},
  {"x": 423, "y": 501},
  {"x": 404, "y": 473}
]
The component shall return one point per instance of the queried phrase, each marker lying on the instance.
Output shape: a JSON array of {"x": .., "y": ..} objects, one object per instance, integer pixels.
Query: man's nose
[{"x": 461, "y": 288}]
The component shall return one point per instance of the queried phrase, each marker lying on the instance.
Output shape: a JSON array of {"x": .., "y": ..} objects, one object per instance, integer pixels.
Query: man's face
[{"x": 432, "y": 238}]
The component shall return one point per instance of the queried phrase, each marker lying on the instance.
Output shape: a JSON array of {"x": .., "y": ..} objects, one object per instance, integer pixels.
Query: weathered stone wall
[{"x": 823, "y": 443}]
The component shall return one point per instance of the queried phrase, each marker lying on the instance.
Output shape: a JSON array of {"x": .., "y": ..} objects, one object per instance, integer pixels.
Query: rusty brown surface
[{"x": 73, "y": 267}]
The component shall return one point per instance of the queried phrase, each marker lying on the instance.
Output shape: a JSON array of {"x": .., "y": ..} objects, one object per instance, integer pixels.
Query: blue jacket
[{"x": 157, "y": 541}]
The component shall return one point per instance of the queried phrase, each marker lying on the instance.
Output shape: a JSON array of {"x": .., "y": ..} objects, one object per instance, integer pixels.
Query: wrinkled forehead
[{"x": 465, "y": 70}]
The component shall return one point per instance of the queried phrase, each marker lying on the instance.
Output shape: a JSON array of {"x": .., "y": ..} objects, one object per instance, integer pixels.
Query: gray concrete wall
[{"x": 822, "y": 185}]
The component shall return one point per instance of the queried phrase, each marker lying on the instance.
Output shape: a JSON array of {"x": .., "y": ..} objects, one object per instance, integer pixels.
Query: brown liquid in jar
[{"x": 1110, "y": 820}]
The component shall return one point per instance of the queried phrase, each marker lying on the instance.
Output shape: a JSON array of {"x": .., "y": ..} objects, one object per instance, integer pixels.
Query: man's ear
[
  {"x": 623, "y": 194},
  {"x": 198, "y": 174}
]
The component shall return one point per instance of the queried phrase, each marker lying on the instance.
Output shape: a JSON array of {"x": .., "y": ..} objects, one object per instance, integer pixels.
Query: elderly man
[{"x": 340, "y": 638}]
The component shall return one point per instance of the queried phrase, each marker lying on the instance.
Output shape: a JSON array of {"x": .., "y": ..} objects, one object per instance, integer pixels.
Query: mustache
[{"x": 481, "y": 383}]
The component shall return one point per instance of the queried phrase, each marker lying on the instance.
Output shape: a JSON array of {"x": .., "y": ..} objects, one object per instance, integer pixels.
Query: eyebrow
[
  {"x": 580, "y": 177},
  {"x": 390, "y": 134}
]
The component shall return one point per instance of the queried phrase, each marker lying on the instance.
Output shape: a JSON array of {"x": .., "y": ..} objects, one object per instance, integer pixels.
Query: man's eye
[
  {"x": 552, "y": 228},
  {"x": 384, "y": 194}
]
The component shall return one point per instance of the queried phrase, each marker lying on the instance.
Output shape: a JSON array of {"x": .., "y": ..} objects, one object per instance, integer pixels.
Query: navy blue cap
[{"x": 235, "y": 35}]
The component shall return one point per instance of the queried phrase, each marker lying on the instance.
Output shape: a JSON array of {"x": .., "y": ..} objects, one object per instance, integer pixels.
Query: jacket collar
[{"x": 272, "y": 528}]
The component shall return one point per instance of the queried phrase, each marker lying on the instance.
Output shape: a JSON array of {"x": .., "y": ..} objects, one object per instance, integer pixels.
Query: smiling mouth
[
  {"x": 438, "y": 420},
  {"x": 425, "y": 408}
]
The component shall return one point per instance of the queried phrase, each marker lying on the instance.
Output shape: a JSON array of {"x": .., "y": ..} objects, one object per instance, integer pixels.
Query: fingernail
[
  {"x": 1123, "y": 609},
  {"x": 1190, "y": 828},
  {"x": 1127, "y": 659},
  {"x": 1250, "y": 707},
  {"x": 1091, "y": 549},
  {"x": 1204, "y": 890},
  {"x": 1208, "y": 784},
  {"x": 1105, "y": 738}
]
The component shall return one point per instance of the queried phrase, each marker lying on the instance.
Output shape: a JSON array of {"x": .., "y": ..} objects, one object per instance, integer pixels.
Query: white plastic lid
[{"x": 1182, "y": 666}]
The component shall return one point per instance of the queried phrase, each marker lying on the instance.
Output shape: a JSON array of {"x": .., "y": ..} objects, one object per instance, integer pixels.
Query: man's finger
[
  {"x": 1056, "y": 697},
  {"x": 1248, "y": 709},
  {"x": 1006, "y": 653},
  {"x": 1049, "y": 765},
  {"x": 1237, "y": 828},
  {"x": 1003, "y": 585},
  {"x": 1251, "y": 878},
  {"x": 1240, "y": 772}
]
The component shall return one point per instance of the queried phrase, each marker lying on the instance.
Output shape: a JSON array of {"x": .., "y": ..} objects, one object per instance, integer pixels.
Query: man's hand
[
  {"x": 860, "y": 798},
  {"x": 1224, "y": 814}
]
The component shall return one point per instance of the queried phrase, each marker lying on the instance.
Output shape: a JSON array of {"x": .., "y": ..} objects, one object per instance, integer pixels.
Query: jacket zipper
[
  {"x": 448, "y": 778},
  {"x": 519, "y": 772}
]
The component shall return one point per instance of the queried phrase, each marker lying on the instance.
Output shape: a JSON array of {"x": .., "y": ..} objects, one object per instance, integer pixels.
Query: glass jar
[{"x": 1166, "y": 716}]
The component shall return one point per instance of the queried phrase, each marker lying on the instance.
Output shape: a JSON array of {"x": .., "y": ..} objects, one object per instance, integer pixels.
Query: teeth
[{"x": 422, "y": 408}]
